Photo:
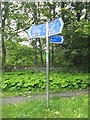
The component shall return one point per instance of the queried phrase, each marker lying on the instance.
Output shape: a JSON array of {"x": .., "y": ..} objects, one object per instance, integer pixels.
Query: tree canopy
[{"x": 19, "y": 49}]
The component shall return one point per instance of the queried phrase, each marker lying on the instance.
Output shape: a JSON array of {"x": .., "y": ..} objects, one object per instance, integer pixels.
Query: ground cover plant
[
  {"x": 30, "y": 80},
  {"x": 60, "y": 107}
]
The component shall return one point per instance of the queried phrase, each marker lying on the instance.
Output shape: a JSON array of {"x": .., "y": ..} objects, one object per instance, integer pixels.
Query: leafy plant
[{"x": 31, "y": 80}]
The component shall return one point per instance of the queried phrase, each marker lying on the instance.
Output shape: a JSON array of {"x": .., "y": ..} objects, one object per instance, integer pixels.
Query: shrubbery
[{"x": 30, "y": 80}]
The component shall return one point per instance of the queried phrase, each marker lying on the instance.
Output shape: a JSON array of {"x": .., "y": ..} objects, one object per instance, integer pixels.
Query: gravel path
[{"x": 21, "y": 99}]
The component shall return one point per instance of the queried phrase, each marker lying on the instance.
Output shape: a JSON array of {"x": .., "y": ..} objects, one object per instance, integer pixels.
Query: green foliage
[
  {"x": 76, "y": 31},
  {"x": 30, "y": 80},
  {"x": 18, "y": 55}
]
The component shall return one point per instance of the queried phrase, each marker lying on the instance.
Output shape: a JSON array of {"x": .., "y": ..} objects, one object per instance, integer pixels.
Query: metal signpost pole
[
  {"x": 45, "y": 30},
  {"x": 47, "y": 62}
]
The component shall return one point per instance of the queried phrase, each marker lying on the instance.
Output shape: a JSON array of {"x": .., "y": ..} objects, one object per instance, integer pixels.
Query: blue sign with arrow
[
  {"x": 37, "y": 31},
  {"x": 56, "y": 39},
  {"x": 55, "y": 27}
]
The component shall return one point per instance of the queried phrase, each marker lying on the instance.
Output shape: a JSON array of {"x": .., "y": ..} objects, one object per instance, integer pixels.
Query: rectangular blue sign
[
  {"x": 37, "y": 31},
  {"x": 55, "y": 27},
  {"x": 56, "y": 39}
]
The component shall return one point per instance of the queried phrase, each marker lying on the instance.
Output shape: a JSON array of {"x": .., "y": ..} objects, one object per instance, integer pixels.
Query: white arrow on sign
[
  {"x": 30, "y": 32},
  {"x": 62, "y": 23}
]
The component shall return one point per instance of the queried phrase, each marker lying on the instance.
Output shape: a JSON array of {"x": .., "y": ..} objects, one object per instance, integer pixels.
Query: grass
[
  {"x": 60, "y": 107},
  {"x": 22, "y": 93}
]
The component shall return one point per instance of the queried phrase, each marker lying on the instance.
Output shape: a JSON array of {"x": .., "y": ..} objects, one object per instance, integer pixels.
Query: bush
[{"x": 30, "y": 80}]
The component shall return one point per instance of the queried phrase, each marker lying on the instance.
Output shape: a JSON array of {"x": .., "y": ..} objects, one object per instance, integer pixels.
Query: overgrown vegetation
[
  {"x": 30, "y": 80},
  {"x": 73, "y": 107}
]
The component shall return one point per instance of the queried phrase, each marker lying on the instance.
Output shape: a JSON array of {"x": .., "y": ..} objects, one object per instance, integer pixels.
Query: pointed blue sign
[
  {"x": 56, "y": 39},
  {"x": 55, "y": 27},
  {"x": 37, "y": 31}
]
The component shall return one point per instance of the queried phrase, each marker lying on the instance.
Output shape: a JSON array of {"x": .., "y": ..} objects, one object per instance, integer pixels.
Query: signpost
[
  {"x": 47, "y": 62},
  {"x": 56, "y": 39},
  {"x": 45, "y": 30}
]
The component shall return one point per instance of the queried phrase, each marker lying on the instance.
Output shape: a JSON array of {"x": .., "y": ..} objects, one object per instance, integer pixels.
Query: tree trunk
[
  {"x": 3, "y": 44},
  {"x": 3, "y": 52},
  {"x": 6, "y": 6},
  {"x": 78, "y": 14},
  {"x": 0, "y": 42},
  {"x": 40, "y": 45},
  {"x": 52, "y": 44},
  {"x": 36, "y": 52},
  {"x": 62, "y": 6},
  {"x": 35, "y": 20},
  {"x": 86, "y": 15}
]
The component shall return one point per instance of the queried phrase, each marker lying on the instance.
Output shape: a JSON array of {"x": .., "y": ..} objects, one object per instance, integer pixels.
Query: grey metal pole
[{"x": 47, "y": 62}]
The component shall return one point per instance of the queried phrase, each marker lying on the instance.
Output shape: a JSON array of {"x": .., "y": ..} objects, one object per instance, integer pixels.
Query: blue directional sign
[
  {"x": 56, "y": 39},
  {"x": 37, "y": 31},
  {"x": 55, "y": 27}
]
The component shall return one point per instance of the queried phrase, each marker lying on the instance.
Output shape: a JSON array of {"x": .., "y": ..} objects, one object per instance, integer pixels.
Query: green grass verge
[
  {"x": 60, "y": 107},
  {"x": 23, "y": 93}
]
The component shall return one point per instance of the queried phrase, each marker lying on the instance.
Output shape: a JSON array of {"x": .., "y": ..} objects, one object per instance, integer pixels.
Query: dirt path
[{"x": 20, "y": 99}]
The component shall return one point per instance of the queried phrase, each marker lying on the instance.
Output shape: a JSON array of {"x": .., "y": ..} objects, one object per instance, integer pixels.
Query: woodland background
[{"x": 19, "y": 50}]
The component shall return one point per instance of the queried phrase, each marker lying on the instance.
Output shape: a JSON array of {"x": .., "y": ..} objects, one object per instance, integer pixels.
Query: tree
[
  {"x": 75, "y": 31},
  {"x": 4, "y": 17}
]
